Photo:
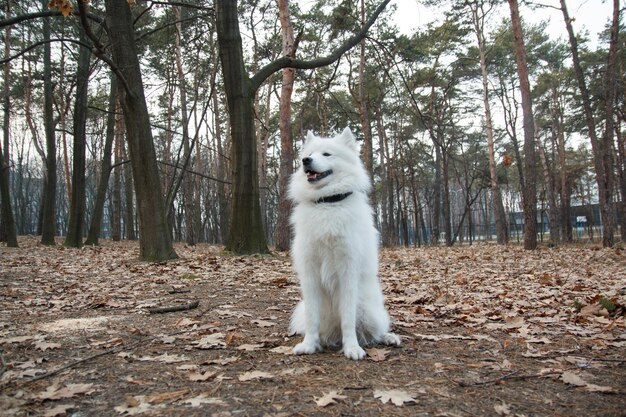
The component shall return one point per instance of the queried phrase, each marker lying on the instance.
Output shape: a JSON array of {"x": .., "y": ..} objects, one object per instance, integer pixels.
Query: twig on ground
[
  {"x": 510, "y": 376},
  {"x": 178, "y": 291},
  {"x": 180, "y": 307},
  {"x": 3, "y": 367}
]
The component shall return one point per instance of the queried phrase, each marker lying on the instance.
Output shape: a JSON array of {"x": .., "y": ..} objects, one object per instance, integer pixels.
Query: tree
[
  {"x": 48, "y": 218},
  {"x": 478, "y": 19},
  {"x": 529, "y": 190},
  {"x": 601, "y": 148},
  {"x": 105, "y": 168},
  {"x": 74, "y": 237},
  {"x": 7, "y": 221},
  {"x": 155, "y": 243},
  {"x": 283, "y": 231},
  {"x": 246, "y": 226}
]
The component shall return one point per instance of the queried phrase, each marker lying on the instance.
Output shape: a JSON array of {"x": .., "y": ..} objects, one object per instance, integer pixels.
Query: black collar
[{"x": 334, "y": 198}]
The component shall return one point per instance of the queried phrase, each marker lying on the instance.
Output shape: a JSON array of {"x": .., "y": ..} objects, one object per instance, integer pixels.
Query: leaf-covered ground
[{"x": 486, "y": 331}]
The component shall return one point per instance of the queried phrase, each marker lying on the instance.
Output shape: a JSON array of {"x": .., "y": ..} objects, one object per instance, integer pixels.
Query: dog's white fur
[{"x": 335, "y": 252}]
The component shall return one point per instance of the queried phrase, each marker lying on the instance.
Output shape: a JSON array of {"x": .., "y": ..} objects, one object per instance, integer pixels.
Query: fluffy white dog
[{"x": 335, "y": 251}]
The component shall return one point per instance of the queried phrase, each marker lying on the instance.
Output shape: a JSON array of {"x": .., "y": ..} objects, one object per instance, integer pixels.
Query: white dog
[{"x": 335, "y": 251}]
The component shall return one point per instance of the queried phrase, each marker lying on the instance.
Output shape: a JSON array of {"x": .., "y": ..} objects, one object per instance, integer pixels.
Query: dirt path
[{"x": 486, "y": 331}]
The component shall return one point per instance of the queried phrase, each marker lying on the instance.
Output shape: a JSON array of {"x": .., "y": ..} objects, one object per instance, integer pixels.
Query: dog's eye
[{"x": 326, "y": 154}]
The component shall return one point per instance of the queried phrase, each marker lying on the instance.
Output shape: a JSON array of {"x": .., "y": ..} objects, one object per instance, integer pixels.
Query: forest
[{"x": 181, "y": 121}]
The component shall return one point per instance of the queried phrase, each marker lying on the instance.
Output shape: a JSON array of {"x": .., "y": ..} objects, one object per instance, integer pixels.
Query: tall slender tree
[
  {"x": 283, "y": 231},
  {"x": 529, "y": 191},
  {"x": 48, "y": 218}
]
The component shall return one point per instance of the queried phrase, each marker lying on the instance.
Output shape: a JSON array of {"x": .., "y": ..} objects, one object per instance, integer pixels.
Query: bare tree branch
[{"x": 289, "y": 62}]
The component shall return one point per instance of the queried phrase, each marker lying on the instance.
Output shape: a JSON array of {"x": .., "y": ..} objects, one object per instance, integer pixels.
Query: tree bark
[
  {"x": 155, "y": 243},
  {"x": 529, "y": 191},
  {"x": 283, "y": 230},
  {"x": 7, "y": 221},
  {"x": 48, "y": 218},
  {"x": 600, "y": 148},
  {"x": 246, "y": 224},
  {"x": 74, "y": 236},
  {"x": 498, "y": 209},
  {"x": 105, "y": 168}
]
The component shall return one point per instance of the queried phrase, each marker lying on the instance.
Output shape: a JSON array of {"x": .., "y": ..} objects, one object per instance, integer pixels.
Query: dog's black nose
[{"x": 307, "y": 161}]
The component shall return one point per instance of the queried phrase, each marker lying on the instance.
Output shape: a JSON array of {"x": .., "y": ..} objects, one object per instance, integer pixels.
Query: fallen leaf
[
  {"x": 249, "y": 347},
  {"x": 377, "y": 355},
  {"x": 202, "y": 399},
  {"x": 502, "y": 409},
  {"x": 329, "y": 398},
  {"x": 255, "y": 376},
  {"x": 201, "y": 376},
  {"x": 397, "y": 397},
  {"x": 164, "y": 358},
  {"x": 167, "y": 396},
  {"x": 55, "y": 392},
  {"x": 284, "y": 350},
  {"x": 211, "y": 341},
  {"x": 58, "y": 411},
  {"x": 263, "y": 323},
  {"x": 43, "y": 346},
  {"x": 573, "y": 379}
]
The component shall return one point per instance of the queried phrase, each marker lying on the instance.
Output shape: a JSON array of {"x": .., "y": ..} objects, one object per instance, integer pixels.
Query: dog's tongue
[{"x": 312, "y": 175}]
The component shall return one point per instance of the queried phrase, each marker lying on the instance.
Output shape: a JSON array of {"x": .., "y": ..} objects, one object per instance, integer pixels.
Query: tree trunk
[
  {"x": 246, "y": 224},
  {"x": 155, "y": 243},
  {"x": 364, "y": 113},
  {"x": 188, "y": 191},
  {"x": 105, "y": 168},
  {"x": 529, "y": 191},
  {"x": 283, "y": 230},
  {"x": 498, "y": 209},
  {"x": 7, "y": 221},
  {"x": 601, "y": 150},
  {"x": 48, "y": 218},
  {"x": 74, "y": 236},
  {"x": 553, "y": 213}
]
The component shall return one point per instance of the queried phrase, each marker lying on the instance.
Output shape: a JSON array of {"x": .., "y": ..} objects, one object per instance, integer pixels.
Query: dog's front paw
[
  {"x": 306, "y": 348},
  {"x": 354, "y": 352}
]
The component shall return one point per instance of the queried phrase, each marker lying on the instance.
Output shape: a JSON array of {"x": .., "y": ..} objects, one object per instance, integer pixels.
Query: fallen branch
[
  {"x": 180, "y": 307},
  {"x": 178, "y": 291}
]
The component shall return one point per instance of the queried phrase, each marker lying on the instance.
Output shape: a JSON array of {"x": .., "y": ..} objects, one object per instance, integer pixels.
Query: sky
[{"x": 591, "y": 15}]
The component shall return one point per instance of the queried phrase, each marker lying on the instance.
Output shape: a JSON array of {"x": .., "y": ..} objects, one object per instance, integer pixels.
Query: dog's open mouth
[{"x": 314, "y": 176}]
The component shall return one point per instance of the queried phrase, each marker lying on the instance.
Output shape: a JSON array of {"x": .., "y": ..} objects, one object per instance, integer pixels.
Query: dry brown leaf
[
  {"x": 377, "y": 355},
  {"x": 56, "y": 392},
  {"x": 167, "y": 396},
  {"x": 396, "y": 397},
  {"x": 284, "y": 350},
  {"x": 211, "y": 341},
  {"x": 201, "y": 376},
  {"x": 255, "y": 376},
  {"x": 43, "y": 346},
  {"x": 164, "y": 358},
  {"x": 329, "y": 398},
  {"x": 502, "y": 409},
  {"x": 58, "y": 411},
  {"x": 250, "y": 347},
  {"x": 203, "y": 399}
]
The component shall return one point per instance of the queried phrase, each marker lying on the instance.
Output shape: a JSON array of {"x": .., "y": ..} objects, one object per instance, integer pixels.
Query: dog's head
[{"x": 329, "y": 166}]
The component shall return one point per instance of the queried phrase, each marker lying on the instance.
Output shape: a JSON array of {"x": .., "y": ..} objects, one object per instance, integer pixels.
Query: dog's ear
[
  {"x": 309, "y": 136},
  {"x": 348, "y": 138}
]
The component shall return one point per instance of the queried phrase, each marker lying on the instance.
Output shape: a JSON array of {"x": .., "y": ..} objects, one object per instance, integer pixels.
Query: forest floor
[{"x": 486, "y": 331}]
